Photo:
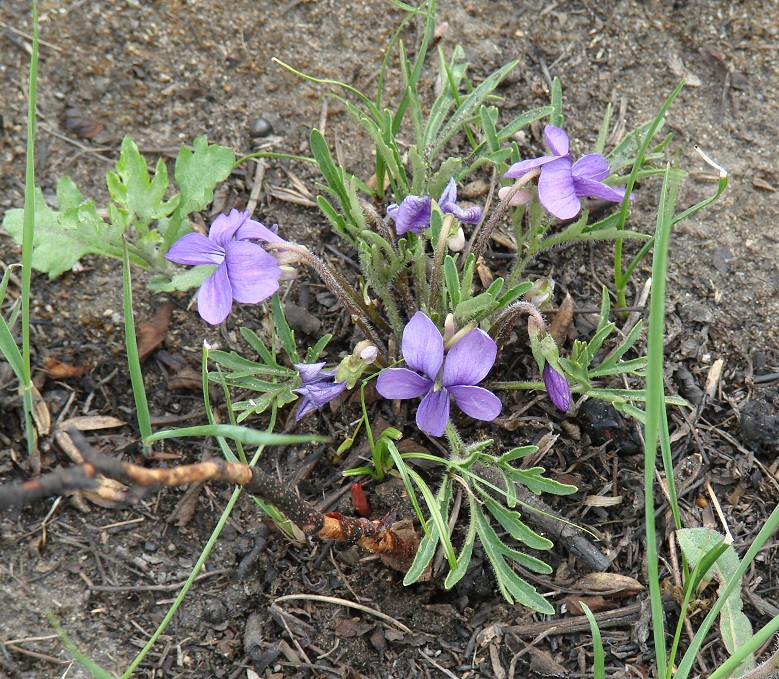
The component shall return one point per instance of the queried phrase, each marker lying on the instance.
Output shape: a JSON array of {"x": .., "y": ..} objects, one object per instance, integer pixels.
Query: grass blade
[{"x": 133, "y": 359}]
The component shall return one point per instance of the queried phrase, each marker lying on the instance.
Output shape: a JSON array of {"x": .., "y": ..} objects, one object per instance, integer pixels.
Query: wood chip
[
  {"x": 612, "y": 584},
  {"x": 56, "y": 370},
  {"x": 762, "y": 184},
  {"x": 151, "y": 334}
]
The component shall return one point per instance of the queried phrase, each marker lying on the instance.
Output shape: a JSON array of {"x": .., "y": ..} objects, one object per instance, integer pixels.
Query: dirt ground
[{"x": 166, "y": 72}]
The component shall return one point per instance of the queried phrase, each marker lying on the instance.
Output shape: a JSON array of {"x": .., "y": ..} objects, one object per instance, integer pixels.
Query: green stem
[
  {"x": 28, "y": 237},
  {"x": 620, "y": 280},
  {"x": 434, "y": 300}
]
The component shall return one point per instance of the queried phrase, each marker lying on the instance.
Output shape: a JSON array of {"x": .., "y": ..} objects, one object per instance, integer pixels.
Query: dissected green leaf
[
  {"x": 511, "y": 585},
  {"x": 62, "y": 238},
  {"x": 131, "y": 187},
  {"x": 735, "y": 628},
  {"x": 197, "y": 172}
]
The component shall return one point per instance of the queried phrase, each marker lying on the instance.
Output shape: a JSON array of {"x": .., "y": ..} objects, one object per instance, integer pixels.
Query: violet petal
[
  {"x": 223, "y": 228},
  {"x": 556, "y": 190},
  {"x": 478, "y": 402},
  {"x": 422, "y": 345},
  {"x": 316, "y": 395},
  {"x": 254, "y": 274},
  {"x": 402, "y": 383},
  {"x": 556, "y": 140},
  {"x": 557, "y": 386},
  {"x": 215, "y": 297},
  {"x": 521, "y": 168},
  {"x": 449, "y": 194},
  {"x": 413, "y": 215},
  {"x": 433, "y": 412},
  {"x": 194, "y": 249},
  {"x": 470, "y": 216},
  {"x": 587, "y": 188},
  {"x": 469, "y": 361},
  {"x": 312, "y": 372},
  {"x": 592, "y": 166},
  {"x": 254, "y": 230}
]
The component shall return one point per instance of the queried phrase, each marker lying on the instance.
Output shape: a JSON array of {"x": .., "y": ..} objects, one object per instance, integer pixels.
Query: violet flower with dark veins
[
  {"x": 562, "y": 184},
  {"x": 413, "y": 213},
  {"x": 245, "y": 273},
  {"x": 557, "y": 387},
  {"x": 319, "y": 387},
  {"x": 448, "y": 204},
  {"x": 466, "y": 364}
]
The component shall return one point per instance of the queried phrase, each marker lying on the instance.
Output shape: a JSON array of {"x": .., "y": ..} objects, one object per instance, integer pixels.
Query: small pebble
[
  {"x": 150, "y": 547},
  {"x": 260, "y": 127},
  {"x": 215, "y": 611}
]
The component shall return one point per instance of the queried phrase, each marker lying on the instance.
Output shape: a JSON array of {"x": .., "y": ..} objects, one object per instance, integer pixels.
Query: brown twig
[{"x": 379, "y": 537}]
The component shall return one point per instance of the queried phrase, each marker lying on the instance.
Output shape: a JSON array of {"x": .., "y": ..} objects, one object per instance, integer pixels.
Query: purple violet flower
[
  {"x": 557, "y": 387},
  {"x": 413, "y": 213},
  {"x": 466, "y": 364},
  {"x": 318, "y": 387},
  {"x": 246, "y": 273},
  {"x": 448, "y": 203},
  {"x": 562, "y": 184}
]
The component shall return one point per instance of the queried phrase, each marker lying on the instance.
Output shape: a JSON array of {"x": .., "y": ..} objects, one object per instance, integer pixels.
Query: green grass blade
[
  {"x": 286, "y": 335},
  {"x": 133, "y": 359},
  {"x": 94, "y": 669},
  {"x": 237, "y": 433},
  {"x": 599, "y": 658},
  {"x": 28, "y": 237},
  {"x": 655, "y": 410},
  {"x": 686, "y": 664},
  {"x": 557, "y": 103}
]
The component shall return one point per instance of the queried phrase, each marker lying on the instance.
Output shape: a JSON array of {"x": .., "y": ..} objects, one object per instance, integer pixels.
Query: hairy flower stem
[
  {"x": 502, "y": 327},
  {"x": 401, "y": 284},
  {"x": 456, "y": 444},
  {"x": 381, "y": 226},
  {"x": 768, "y": 670},
  {"x": 434, "y": 301},
  {"x": 340, "y": 288},
  {"x": 503, "y": 206}
]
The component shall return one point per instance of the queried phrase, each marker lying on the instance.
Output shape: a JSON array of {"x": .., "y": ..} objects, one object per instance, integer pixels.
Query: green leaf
[
  {"x": 62, "y": 238},
  {"x": 513, "y": 587},
  {"x": 599, "y": 657},
  {"x": 509, "y": 130},
  {"x": 557, "y": 103},
  {"x": 429, "y": 543},
  {"x": 191, "y": 278},
  {"x": 735, "y": 628},
  {"x": 533, "y": 480},
  {"x": 452, "y": 279},
  {"x": 253, "y": 340},
  {"x": 467, "y": 109},
  {"x": 131, "y": 188},
  {"x": 286, "y": 335},
  {"x": 511, "y": 521},
  {"x": 197, "y": 173},
  {"x": 449, "y": 168},
  {"x": 464, "y": 559},
  {"x": 451, "y": 74},
  {"x": 517, "y": 454}
]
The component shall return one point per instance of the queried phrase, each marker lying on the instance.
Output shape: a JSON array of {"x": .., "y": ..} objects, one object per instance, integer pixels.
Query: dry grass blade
[{"x": 345, "y": 602}]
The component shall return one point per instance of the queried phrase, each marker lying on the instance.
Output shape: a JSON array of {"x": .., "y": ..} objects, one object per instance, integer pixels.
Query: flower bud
[
  {"x": 557, "y": 387},
  {"x": 456, "y": 242},
  {"x": 521, "y": 197},
  {"x": 448, "y": 328},
  {"x": 541, "y": 292}
]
